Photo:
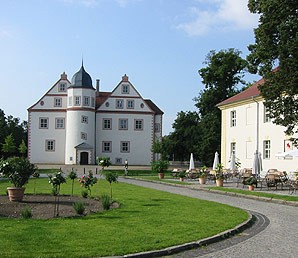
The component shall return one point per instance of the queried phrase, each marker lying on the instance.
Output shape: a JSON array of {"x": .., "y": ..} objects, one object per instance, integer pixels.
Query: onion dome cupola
[{"x": 81, "y": 79}]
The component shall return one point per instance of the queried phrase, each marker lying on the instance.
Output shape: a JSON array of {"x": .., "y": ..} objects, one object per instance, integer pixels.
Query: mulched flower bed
[{"x": 43, "y": 206}]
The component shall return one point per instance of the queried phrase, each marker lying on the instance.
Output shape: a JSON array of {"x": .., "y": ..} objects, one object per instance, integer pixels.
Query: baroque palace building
[{"x": 73, "y": 123}]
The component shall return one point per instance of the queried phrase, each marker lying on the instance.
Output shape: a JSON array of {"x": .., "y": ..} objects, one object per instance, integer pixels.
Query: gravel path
[{"x": 278, "y": 239}]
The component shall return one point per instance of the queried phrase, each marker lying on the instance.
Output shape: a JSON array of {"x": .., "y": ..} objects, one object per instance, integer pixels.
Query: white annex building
[
  {"x": 246, "y": 129},
  {"x": 73, "y": 123}
]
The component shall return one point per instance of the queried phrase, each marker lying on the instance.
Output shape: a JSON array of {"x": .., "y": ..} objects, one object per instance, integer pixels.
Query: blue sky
[{"x": 159, "y": 44}]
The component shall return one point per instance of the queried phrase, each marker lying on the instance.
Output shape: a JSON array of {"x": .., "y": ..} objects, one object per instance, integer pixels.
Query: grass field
[{"x": 147, "y": 220}]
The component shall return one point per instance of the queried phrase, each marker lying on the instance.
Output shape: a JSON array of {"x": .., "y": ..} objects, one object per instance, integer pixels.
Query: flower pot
[
  {"x": 161, "y": 175},
  {"x": 219, "y": 182},
  {"x": 15, "y": 194},
  {"x": 202, "y": 180},
  {"x": 251, "y": 187}
]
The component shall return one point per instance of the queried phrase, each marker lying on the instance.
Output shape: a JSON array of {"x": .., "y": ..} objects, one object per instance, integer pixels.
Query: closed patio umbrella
[
  {"x": 233, "y": 162},
  {"x": 216, "y": 160},
  {"x": 191, "y": 163},
  {"x": 256, "y": 164}
]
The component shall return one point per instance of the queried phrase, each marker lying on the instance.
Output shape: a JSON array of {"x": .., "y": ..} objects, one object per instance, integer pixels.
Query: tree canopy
[
  {"x": 276, "y": 45},
  {"x": 13, "y": 136}
]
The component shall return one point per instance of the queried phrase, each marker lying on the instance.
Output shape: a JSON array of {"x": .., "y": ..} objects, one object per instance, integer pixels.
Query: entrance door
[{"x": 84, "y": 158}]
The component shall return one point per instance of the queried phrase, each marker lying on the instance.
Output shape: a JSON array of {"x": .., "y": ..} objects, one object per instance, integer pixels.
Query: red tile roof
[{"x": 252, "y": 91}]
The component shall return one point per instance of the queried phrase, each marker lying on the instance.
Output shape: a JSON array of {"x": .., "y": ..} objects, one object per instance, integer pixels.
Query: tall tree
[
  {"x": 9, "y": 146},
  {"x": 224, "y": 72},
  {"x": 276, "y": 44},
  {"x": 185, "y": 136}
]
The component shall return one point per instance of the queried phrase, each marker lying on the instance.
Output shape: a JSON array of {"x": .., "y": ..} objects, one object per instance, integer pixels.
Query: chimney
[
  {"x": 125, "y": 78},
  {"x": 64, "y": 76},
  {"x": 97, "y": 85}
]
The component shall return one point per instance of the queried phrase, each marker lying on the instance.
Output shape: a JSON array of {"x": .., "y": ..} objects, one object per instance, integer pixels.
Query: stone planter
[
  {"x": 202, "y": 180},
  {"x": 251, "y": 187},
  {"x": 161, "y": 175},
  {"x": 15, "y": 194},
  {"x": 219, "y": 182}
]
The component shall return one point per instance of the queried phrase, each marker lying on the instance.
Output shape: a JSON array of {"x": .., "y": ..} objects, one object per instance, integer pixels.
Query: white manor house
[{"x": 73, "y": 123}]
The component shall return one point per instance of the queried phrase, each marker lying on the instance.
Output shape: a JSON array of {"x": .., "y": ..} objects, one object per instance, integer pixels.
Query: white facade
[
  {"x": 73, "y": 124},
  {"x": 246, "y": 128}
]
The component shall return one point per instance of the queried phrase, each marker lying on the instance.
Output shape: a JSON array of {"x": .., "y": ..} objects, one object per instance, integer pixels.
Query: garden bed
[{"x": 43, "y": 206}]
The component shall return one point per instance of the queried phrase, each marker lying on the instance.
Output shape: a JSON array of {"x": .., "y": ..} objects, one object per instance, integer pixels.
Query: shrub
[
  {"x": 88, "y": 181},
  {"x": 106, "y": 201},
  {"x": 26, "y": 213},
  {"x": 79, "y": 207},
  {"x": 56, "y": 181},
  {"x": 84, "y": 193}
]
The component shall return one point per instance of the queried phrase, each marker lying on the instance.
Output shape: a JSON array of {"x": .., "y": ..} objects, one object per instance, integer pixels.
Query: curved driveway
[{"x": 279, "y": 239}]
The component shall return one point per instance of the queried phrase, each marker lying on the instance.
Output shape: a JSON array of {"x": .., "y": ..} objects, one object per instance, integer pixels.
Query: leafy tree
[
  {"x": 111, "y": 177},
  {"x": 224, "y": 72},
  {"x": 185, "y": 135},
  {"x": 9, "y": 146},
  {"x": 23, "y": 148},
  {"x": 276, "y": 44}
]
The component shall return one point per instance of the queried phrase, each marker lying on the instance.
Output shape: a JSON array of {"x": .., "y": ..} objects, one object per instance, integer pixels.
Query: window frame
[
  {"x": 266, "y": 149},
  {"x": 77, "y": 101},
  {"x": 86, "y": 101},
  {"x": 131, "y": 105},
  {"x": 44, "y": 124},
  {"x": 104, "y": 150},
  {"x": 233, "y": 120},
  {"x": 122, "y": 147},
  {"x": 57, "y": 123},
  {"x": 267, "y": 118},
  {"x": 233, "y": 148},
  {"x": 136, "y": 126},
  {"x": 120, "y": 124},
  {"x": 57, "y": 102},
  {"x": 119, "y": 103},
  {"x": 62, "y": 87},
  {"x": 125, "y": 86},
  {"x": 50, "y": 145},
  {"x": 84, "y": 136},
  {"x": 104, "y": 120},
  {"x": 84, "y": 119}
]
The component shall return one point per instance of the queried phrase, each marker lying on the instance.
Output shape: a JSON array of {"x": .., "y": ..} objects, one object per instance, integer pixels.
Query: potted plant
[
  {"x": 251, "y": 182},
  {"x": 203, "y": 175},
  {"x": 160, "y": 166},
  {"x": 182, "y": 175},
  {"x": 219, "y": 176},
  {"x": 18, "y": 170}
]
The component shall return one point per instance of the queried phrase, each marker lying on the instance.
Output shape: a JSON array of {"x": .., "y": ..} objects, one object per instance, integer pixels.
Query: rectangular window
[
  {"x": 233, "y": 148},
  {"x": 86, "y": 101},
  {"x": 84, "y": 119},
  {"x": 267, "y": 118},
  {"x": 233, "y": 118},
  {"x": 50, "y": 145},
  {"x": 77, "y": 100},
  {"x": 107, "y": 124},
  {"x": 118, "y": 161},
  {"x": 266, "y": 151},
  {"x": 106, "y": 146},
  {"x": 124, "y": 147},
  {"x": 92, "y": 102},
  {"x": 130, "y": 104},
  {"x": 123, "y": 124},
  {"x": 157, "y": 127},
  {"x": 62, "y": 87},
  {"x": 59, "y": 123},
  {"x": 125, "y": 89},
  {"x": 57, "y": 102},
  {"x": 138, "y": 124},
  {"x": 83, "y": 136},
  {"x": 119, "y": 103},
  {"x": 43, "y": 123}
]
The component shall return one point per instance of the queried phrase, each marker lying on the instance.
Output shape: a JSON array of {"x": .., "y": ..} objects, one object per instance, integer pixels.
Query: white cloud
[{"x": 224, "y": 15}]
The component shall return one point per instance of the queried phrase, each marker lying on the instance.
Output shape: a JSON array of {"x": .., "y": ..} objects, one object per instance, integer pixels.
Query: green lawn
[{"x": 147, "y": 220}]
